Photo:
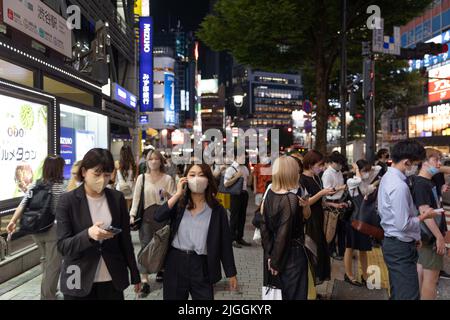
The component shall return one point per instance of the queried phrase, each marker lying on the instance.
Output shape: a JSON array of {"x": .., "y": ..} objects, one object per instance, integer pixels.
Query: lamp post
[{"x": 238, "y": 98}]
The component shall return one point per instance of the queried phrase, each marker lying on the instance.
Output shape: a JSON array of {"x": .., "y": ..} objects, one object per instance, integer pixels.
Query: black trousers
[
  {"x": 186, "y": 274},
  {"x": 238, "y": 215},
  {"x": 294, "y": 278},
  {"x": 401, "y": 260},
  {"x": 100, "y": 291}
]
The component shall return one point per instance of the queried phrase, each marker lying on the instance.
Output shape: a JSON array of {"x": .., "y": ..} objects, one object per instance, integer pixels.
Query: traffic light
[{"x": 422, "y": 49}]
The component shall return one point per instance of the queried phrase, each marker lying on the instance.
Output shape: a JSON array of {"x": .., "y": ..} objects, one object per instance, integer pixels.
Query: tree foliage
[{"x": 293, "y": 35}]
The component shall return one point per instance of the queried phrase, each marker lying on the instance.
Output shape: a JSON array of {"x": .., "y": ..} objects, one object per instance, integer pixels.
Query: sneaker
[
  {"x": 159, "y": 276},
  {"x": 236, "y": 244},
  {"x": 244, "y": 243},
  {"x": 145, "y": 290},
  {"x": 444, "y": 275}
]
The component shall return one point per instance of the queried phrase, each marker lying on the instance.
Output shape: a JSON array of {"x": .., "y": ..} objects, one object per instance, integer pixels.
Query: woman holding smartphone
[
  {"x": 94, "y": 235},
  {"x": 200, "y": 238}
]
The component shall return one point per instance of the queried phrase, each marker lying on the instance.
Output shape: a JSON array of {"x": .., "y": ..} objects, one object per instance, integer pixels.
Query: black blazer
[
  {"x": 73, "y": 221},
  {"x": 218, "y": 242}
]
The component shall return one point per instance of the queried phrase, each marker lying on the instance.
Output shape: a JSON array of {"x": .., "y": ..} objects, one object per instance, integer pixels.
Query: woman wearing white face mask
[
  {"x": 313, "y": 163},
  {"x": 200, "y": 238},
  {"x": 94, "y": 235},
  {"x": 363, "y": 182},
  {"x": 156, "y": 187}
]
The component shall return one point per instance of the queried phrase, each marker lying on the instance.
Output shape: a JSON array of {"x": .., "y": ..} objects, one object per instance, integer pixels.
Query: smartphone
[
  {"x": 440, "y": 210},
  {"x": 305, "y": 197},
  {"x": 113, "y": 230}
]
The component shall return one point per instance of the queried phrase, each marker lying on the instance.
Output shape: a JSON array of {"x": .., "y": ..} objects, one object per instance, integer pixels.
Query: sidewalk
[{"x": 250, "y": 277}]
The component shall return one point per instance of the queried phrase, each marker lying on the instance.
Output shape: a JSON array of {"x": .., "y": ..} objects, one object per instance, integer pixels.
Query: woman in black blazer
[
  {"x": 96, "y": 262},
  {"x": 200, "y": 238}
]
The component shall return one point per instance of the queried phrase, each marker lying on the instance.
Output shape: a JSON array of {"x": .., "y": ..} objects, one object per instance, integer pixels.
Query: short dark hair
[
  {"x": 96, "y": 157},
  {"x": 337, "y": 157},
  {"x": 53, "y": 169},
  {"x": 363, "y": 165},
  {"x": 311, "y": 158},
  {"x": 408, "y": 149},
  {"x": 381, "y": 153}
]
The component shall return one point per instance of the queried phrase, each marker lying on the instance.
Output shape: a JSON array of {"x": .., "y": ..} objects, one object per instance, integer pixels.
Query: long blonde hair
[{"x": 72, "y": 185}]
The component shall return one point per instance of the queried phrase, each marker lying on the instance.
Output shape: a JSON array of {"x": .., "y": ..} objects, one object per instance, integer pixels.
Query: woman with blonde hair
[
  {"x": 157, "y": 187},
  {"x": 282, "y": 232},
  {"x": 74, "y": 181}
]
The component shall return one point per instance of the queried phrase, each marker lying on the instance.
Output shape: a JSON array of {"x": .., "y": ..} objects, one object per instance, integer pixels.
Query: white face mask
[
  {"x": 97, "y": 184},
  {"x": 412, "y": 171},
  {"x": 365, "y": 176},
  {"x": 198, "y": 184}
]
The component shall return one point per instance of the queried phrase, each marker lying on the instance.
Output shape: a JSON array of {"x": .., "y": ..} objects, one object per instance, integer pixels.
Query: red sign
[{"x": 439, "y": 84}]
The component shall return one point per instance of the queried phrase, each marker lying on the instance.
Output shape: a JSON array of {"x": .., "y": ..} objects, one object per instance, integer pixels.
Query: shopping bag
[{"x": 271, "y": 293}]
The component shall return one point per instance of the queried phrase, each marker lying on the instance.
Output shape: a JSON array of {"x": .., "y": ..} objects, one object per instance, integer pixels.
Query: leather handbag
[
  {"x": 235, "y": 189},
  {"x": 140, "y": 210},
  {"x": 365, "y": 218},
  {"x": 153, "y": 256}
]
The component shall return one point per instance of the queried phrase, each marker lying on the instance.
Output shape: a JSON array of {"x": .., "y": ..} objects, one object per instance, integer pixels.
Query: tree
[{"x": 287, "y": 35}]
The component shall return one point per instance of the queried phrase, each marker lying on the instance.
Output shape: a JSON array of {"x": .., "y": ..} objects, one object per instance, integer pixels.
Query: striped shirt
[{"x": 57, "y": 190}]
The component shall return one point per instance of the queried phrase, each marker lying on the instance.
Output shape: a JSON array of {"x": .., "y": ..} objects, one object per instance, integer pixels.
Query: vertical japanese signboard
[{"x": 146, "y": 64}]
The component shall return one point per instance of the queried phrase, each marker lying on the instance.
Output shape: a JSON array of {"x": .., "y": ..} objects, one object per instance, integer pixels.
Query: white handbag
[{"x": 271, "y": 293}]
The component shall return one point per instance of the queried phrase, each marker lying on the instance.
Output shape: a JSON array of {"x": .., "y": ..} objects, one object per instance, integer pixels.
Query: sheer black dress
[{"x": 282, "y": 232}]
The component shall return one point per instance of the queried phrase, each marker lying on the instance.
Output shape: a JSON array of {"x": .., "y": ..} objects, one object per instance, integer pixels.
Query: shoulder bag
[{"x": 235, "y": 189}]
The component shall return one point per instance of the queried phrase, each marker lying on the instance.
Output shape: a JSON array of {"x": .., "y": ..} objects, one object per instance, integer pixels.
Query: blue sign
[
  {"x": 146, "y": 63},
  {"x": 169, "y": 99},
  {"x": 143, "y": 119},
  {"x": 68, "y": 149},
  {"x": 123, "y": 96}
]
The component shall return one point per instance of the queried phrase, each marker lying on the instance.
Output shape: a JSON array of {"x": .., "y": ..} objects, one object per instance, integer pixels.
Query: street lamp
[{"x": 238, "y": 98}]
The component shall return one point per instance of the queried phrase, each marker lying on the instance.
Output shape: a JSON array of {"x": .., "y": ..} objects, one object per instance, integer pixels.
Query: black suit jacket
[
  {"x": 218, "y": 242},
  {"x": 81, "y": 254}
]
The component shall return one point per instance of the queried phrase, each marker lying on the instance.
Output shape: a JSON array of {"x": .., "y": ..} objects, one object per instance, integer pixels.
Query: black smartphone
[{"x": 113, "y": 230}]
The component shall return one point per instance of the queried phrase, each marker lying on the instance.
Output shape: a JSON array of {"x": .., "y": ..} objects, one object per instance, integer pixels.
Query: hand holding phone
[{"x": 113, "y": 230}]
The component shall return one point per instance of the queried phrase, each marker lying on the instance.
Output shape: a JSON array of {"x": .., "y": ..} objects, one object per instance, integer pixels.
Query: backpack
[{"x": 38, "y": 216}]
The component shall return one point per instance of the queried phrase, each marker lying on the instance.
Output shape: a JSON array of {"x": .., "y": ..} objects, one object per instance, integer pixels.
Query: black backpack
[{"x": 38, "y": 216}]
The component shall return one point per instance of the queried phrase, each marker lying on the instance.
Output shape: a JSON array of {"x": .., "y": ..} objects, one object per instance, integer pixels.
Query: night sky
[{"x": 167, "y": 13}]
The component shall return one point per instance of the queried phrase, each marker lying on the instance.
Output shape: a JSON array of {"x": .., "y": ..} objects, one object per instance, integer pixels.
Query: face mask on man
[
  {"x": 198, "y": 184},
  {"x": 432, "y": 170},
  {"x": 97, "y": 184},
  {"x": 412, "y": 171}
]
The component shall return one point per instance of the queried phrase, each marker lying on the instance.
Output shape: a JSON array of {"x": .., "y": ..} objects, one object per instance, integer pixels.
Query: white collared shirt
[{"x": 333, "y": 179}]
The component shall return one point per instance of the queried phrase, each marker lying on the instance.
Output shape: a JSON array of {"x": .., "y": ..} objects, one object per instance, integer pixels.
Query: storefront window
[
  {"x": 81, "y": 131},
  {"x": 426, "y": 125},
  {"x": 16, "y": 74},
  {"x": 23, "y": 145},
  {"x": 68, "y": 92}
]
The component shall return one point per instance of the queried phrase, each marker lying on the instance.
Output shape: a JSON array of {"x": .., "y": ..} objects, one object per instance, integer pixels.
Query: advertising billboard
[
  {"x": 169, "y": 99},
  {"x": 439, "y": 84},
  {"x": 67, "y": 149},
  {"x": 40, "y": 22},
  {"x": 23, "y": 145},
  {"x": 146, "y": 63}
]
